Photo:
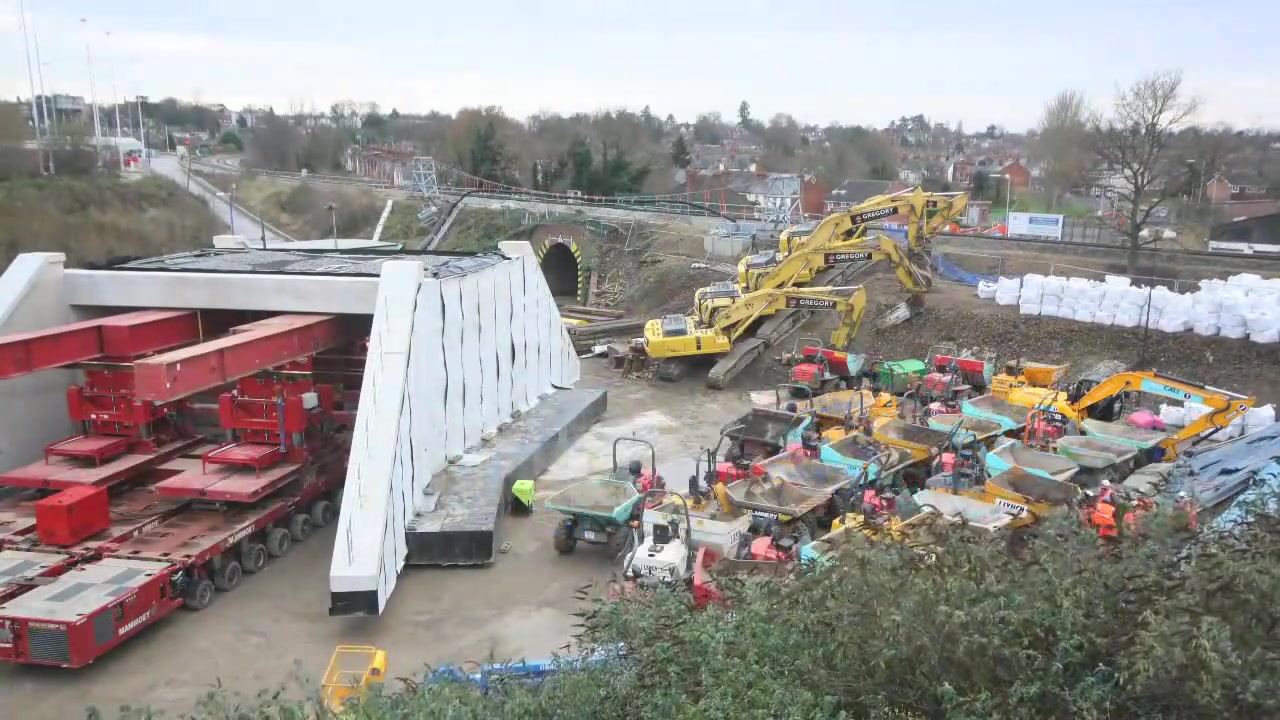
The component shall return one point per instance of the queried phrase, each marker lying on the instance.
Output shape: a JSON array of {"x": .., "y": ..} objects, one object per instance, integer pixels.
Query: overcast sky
[{"x": 979, "y": 62}]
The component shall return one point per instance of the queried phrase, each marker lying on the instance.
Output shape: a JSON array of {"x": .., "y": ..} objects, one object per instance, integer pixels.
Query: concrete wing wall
[
  {"x": 369, "y": 548},
  {"x": 451, "y": 361},
  {"x": 31, "y": 298}
]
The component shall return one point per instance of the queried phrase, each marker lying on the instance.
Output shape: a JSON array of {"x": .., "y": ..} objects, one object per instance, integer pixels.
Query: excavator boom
[{"x": 914, "y": 275}]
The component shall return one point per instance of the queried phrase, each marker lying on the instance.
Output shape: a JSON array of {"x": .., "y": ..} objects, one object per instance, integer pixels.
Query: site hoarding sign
[{"x": 1035, "y": 225}]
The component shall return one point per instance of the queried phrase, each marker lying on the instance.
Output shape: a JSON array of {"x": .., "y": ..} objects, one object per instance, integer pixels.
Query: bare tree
[
  {"x": 1063, "y": 142},
  {"x": 1132, "y": 143}
]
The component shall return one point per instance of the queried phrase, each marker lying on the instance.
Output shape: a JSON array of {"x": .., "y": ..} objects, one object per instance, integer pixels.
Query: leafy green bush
[{"x": 1035, "y": 625}]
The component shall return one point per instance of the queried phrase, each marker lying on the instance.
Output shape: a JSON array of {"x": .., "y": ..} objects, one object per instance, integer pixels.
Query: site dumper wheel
[
  {"x": 300, "y": 527},
  {"x": 564, "y": 540},
  {"x": 253, "y": 557},
  {"x": 278, "y": 542},
  {"x": 199, "y": 594},
  {"x": 228, "y": 576},
  {"x": 322, "y": 512}
]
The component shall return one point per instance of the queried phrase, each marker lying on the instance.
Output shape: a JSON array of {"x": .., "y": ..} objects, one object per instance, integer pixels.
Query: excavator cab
[
  {"x": 1108, "y": 410},
  {"x": 352, "y": 670}
]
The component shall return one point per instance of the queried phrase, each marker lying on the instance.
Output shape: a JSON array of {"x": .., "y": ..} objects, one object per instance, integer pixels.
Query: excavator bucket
[{"x": 896, "y": 315}]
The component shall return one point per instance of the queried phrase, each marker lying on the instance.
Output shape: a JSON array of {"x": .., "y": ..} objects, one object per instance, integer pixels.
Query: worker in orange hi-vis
[
  {"x": 1104, "y": 519},
  {"x": 1186, "y": 505}
]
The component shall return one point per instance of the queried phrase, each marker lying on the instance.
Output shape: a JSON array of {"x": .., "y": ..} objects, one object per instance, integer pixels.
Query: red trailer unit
[
  {"x": 85, "y": 612},
  {"x": 21, "y": 571},
  {"x": 82, "y": 614}
]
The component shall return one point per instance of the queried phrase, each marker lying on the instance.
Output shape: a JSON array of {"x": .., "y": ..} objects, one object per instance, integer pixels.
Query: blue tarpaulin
[
  {"x": 1215, "y": 474},
  {"x": 950, "y": 271},
  {"x": 1263, "y": 494}
]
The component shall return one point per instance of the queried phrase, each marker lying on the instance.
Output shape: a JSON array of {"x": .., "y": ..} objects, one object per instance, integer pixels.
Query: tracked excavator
[
  {"x": 821, "y": 254},
  {"x": 723, "y": 314},
  {"x": 926, "y": 214}
]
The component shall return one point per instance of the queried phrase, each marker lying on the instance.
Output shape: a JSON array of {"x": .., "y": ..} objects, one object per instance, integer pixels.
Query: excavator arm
[
  {"x": 1224, "y": 405},
  {"x": 734, "y": 320},
  {"x": 913, "y": 277}
]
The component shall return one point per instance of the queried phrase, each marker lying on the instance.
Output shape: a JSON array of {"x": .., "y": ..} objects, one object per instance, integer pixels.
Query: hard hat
[
  {"x": 1106, "y": 483},
  {"x": 1183, "y": 495}
]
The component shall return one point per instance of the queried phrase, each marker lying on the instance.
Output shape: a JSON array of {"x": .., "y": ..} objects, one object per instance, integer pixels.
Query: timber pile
[{"x": 602, "y": 332}]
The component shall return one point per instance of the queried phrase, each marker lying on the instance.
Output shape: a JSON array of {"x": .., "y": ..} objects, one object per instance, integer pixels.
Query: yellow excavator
[
  {"x": 722, "y": 314},
  {"x": 926, "y": 214},
  {"x": 803, "y": 264},
  {"x": 816, "y": 254},
  {"x": 1085, "y": 398}
]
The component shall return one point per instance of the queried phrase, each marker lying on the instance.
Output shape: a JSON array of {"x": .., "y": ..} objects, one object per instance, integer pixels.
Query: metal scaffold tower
[{"x": 425, "y": 183}]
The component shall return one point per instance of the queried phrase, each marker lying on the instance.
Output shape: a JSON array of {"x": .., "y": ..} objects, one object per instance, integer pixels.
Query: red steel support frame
[
  {"x": 127, "y": 335},
  {"x": 249, "y": 349}
]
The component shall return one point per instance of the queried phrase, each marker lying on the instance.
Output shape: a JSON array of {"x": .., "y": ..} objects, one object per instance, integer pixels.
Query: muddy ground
[{"x": 954, "y": 314}]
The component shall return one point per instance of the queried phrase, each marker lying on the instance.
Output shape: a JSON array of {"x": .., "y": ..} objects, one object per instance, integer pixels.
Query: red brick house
[
  {"x": 1221, "y": 190},
  {"x": 1019, "y": 175}
]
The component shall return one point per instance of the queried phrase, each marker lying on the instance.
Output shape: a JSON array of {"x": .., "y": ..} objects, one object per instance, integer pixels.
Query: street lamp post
[
  {"x": 231, "y": 208},
  {"x": 119, "y": 128},
  {"x": 93, "y": 91},
  {"x": 35, "y": 116},
  {"x": 333, "y": 215}
]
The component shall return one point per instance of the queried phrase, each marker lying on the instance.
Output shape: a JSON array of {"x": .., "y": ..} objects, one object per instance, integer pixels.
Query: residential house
[
  {"x": 226, "y": 117},
  {"x": 960, "y": 171},
  {"x": 1239, "y": 187},
  {"x": 851, "y": 192},
  {"x": 1018, "y": 175}
]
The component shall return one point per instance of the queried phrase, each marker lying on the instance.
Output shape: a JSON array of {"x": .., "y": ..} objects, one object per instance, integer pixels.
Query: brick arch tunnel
[{"x": 563, "y": 266}]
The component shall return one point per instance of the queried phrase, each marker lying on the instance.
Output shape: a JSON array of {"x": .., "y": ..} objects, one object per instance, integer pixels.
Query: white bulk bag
[
  {"x": 1259, "y": 417},
  {"x": 1028, "y": 308},
  {"x": 1265, "y": 337},
  {"x": 986, "y": 289},
  {"x": 1116, "y": 281},
  {"x": 1173, "y": 415}
]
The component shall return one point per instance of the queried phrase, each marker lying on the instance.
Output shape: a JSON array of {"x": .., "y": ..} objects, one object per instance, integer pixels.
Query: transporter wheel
[
  {"x": 278, "y": 542},
  {"x": 253, "y": 557},
  {"x": 322, "y": 512},
  {"x": 199, "y": 594},
  {"x": 228, "y": 577},
  {"x": 300, "y": 527}
]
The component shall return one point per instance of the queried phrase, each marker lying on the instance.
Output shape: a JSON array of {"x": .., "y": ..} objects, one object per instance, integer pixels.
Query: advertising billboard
[{"x": 1035, "y": 225}]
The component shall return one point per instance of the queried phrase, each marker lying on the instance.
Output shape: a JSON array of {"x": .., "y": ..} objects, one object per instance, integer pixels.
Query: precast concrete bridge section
[{"x": 467, "y": 382}]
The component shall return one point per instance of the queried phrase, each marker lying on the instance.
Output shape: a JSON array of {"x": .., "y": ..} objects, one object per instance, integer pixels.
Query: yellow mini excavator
[{"x": 722, "y": 314}]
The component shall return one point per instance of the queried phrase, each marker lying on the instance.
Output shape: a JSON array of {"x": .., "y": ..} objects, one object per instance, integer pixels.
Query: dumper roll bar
[
  {"x": 653, "y": 454},
  {"x": 777, "y": 393}
]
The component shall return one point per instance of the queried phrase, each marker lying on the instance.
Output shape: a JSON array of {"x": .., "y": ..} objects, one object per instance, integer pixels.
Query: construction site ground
[
  {"x": 954, "y": 314},
  {"x": 275, "y": 632}
]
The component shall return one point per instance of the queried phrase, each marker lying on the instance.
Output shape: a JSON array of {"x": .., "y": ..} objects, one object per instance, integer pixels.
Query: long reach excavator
[
  {"x": 769, "y": 297},
  {"x": 722, "y": 315}
]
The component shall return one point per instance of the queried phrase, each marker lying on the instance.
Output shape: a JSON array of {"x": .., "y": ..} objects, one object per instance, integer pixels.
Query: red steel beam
[
  {"x": 283, "y": 339},
  {"x": 127, "y": 335}
]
